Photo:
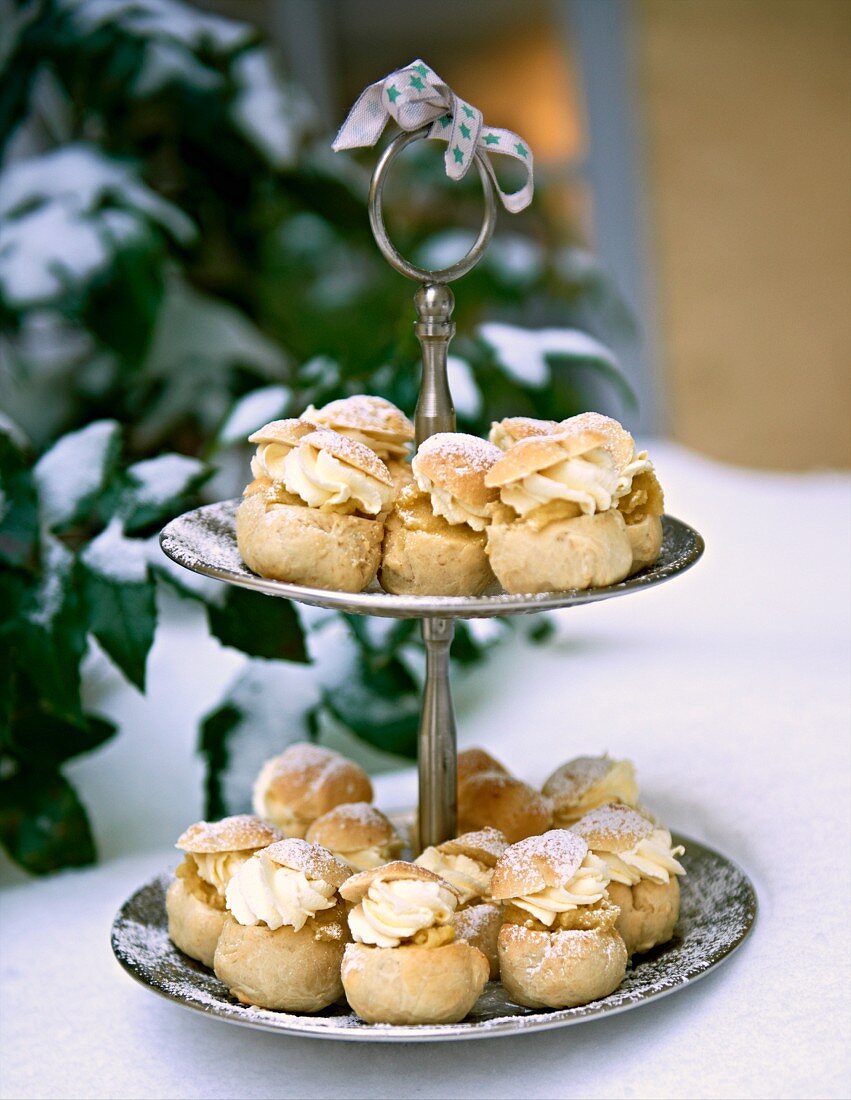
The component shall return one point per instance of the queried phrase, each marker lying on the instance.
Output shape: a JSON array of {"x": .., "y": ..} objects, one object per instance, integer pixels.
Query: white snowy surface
[{"x": 729, "y": 687}]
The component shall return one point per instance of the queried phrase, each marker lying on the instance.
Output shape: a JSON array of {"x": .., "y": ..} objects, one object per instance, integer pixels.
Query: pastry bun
[
  {"x": 486, "y": 845},
  {"x": 648, "y": 912},
  {"x": 353, "y": 826},
  {"x": 363, "y": 413},
  {"x": 301, "y": 545},
  {"x": 580, "y": 784},
  {"x": 474, "y": 760},
  {"x": 505, "y": 433},
  {"x": 355, "y": 888},
  {"x": 479, "y": 925},
  {"x": 538, "y": 862},
  {"x": 413, "y": 985},
  {"x": 564, "y": 968},
  {"x": 458, "y": 464},
  {"x": 194, "y": 925},
  {"x": 305, "y": 782},
  {"x": 230, "y": 834},
  {"x": 503, "y": 802},
  {"x": 283, "y": 969}
]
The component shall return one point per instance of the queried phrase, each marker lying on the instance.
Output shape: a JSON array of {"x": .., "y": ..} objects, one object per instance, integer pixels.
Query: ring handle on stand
[{"x": 376, "y": 216}]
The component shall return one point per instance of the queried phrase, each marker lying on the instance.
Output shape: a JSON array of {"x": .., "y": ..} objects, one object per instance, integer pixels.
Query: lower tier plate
[{"x": 717, "y": 913}]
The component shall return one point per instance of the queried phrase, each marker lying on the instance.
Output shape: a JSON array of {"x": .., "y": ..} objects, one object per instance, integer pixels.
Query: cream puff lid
[
  {"x": 356, "y": 888},
  {"x": 366, "y": 414},
  {"x": 538, "y": 862},
  {"x": 353, "y": 826},
  {"x": 613, "y": 827},
  {"x": 314, "y": 861},
  {"x": 239, "y": 833},
  {"x": 504, "y": 433}
]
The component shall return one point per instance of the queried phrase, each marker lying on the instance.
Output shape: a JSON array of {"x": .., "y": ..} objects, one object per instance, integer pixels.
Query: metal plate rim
[
  {"x": 385, "y": 605},
  {"x": 311, "y": 1027}
]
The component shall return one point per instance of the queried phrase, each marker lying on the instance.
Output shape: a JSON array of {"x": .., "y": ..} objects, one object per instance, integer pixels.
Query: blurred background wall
[{"x": 703, "y": 147}]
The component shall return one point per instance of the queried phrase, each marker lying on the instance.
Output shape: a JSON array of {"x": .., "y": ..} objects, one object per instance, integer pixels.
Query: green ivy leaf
[
  {"x": 36, "y": 737},
  {"x": 380, "y": 704},
  {"x": 120, "y": 596},
  {"x": 43, "y": 824},
  {"x": 49, "y": 638},
  {"x": 259, "y": 626},
  {"x": 213, "y": 746},
  {"x": 18, "y": 499}
]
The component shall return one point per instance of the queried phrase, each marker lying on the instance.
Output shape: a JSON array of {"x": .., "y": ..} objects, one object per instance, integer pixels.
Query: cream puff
[
  {"x": 503, "y": 802},
  {"x": 556, "y": 526},
  {"x": 195, "y": 901},
  {"x": 474, "y": 760},
  {"x": 321, "y": 523},
  {"x": 505, "y": 433},
  {"x": 374, "y": 422},
  {"x": 357, "y": 833},
  {"x": 467, "y": 863},
  {"x": 282, "y": 943},
  {"x": 405, "y": 965},
  {"x": 434, "y": 542},
  {"x": 581, "y": 784},
  {"x": 304, "y": 782},
  {"x": 558, "y": 945},
  {"x": 643, "y": 867},
  {"x": 638, "y": 494},
  {"x": 274, "y": 442}
]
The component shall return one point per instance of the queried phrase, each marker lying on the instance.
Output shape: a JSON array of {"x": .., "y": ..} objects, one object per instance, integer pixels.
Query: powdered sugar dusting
[
  {"x": 231, "y": 834},
  {"x": 717, "y": 911},
  {"x": 549, "y": 859},
  {"x": 573, "y": 779},
  {"x": 349, "y": 451},
  {"x": 463, "y": 453},
  {"x": 613, "y": 827},
  {"x": 314, "y": 860},
  {"x": 365, "y": 413}
]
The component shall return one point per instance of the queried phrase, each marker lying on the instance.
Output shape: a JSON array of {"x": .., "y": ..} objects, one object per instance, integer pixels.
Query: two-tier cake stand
[{"x": 719, "y": 903}]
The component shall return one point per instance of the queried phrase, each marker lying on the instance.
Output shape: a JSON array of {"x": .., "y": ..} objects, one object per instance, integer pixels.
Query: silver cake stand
[{"x": 719, "y": 903}]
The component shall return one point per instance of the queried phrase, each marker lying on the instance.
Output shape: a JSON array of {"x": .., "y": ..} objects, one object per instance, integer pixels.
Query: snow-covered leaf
[
  {"x": 158, "y": 486},
  {"x": 380, "y": 703},
  {"x": 166, "y": 19},
  {"x": 272, "y": 114},
  {"x": 75, "y": 470},
  {"x": 18, "y": 497},
  {"x": 169, "y": 62},
  {"x": 524, "y": 353},
  {"x": 253, "y": 411},
  {"x": 120, "y": 599}
]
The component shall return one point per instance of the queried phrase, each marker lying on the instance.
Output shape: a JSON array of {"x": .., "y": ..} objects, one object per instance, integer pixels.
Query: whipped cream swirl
[
  {"x": 323, "y": 481},
  {"x": 469, "y": 877},
  {"x": 264, "y": 892},
  {"x": 269, "y": 460},
  {"x": 586, "y": 887},
  {"x": 218, "y": 868},
  {"x": 589, "y": 481},
  {"x": 395, "y": 911},
  {"x": 365, "y": 859},
  {"x": 639, "y": 464},
  {"x": 654, "y": 857}
]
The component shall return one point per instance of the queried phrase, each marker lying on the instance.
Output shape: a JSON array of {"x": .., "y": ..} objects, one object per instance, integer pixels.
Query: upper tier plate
[{"x": 205, "y": 541}]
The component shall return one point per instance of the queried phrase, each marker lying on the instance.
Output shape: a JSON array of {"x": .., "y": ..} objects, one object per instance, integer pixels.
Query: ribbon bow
[{"x": 415, "y": 96}]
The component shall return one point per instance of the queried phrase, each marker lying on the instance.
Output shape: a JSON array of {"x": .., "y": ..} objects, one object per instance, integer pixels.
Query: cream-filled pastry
[
  {"x": 643, "y": 867},
  {"x": 474, "y": 760},
  {"x": 274, "y": 442},
  {"x": 405, "y": 965},
  {"x": 357, "y": 833},
  {"x": 638, "y": 494},
  {"x": 304, "y": 782},
  {"x": 434, "y": 543},
  {"x": 581, "y": 784},
  {"x": 503, "y": 802},
  {"x": 195, "y": 901},
  {"x": 467, "y": 863},
  {"x": 321, "y": 523},
  {"x": 373, "y": 421},
  {"x": 282, "y": 942},
  {"x": 558, "y": 945},
  {"x": 556, "y": 526},
  {"x": 505, "y": 433}
]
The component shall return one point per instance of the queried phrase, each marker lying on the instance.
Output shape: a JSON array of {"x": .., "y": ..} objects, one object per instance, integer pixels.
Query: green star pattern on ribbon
[
  {"x": 491, "y": 139},
  {"x": 465, "y": 131},
  {"x": 393, "y": 93},
  {"x": 521, "y": 149},
  {"x": 417, "y": 83},
  {"x": 468, "y": 111},
  {"x": 459, "y": 156}
]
